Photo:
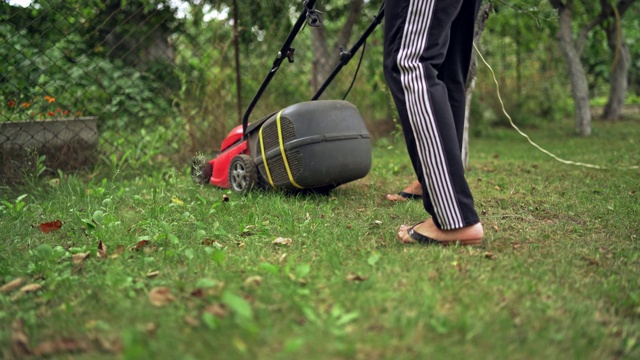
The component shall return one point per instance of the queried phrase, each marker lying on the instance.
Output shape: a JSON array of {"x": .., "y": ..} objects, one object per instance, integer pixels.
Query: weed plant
[{"x": 156, "y": 267}]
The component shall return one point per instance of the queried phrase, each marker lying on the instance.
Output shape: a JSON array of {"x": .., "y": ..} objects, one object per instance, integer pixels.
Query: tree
[
  {"x": 571, "y": 51},
  {"x": 325, "y": 59},
  {"x": 611, "y": 18},
  {"x": 483, "y": 15}
]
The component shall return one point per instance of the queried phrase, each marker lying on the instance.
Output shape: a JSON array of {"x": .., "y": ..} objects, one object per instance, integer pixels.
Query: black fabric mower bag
[{"x": 311, "y": 145}]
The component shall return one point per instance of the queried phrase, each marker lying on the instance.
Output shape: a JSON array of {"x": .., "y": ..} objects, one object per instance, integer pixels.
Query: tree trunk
[
  {"x": 619, "y": 83},
  {"x": 619, "y": 80},
  {"x": 577, "y": 75},
  {"x": 325, "y": 56},
  {"x": 483, "y": 15}
]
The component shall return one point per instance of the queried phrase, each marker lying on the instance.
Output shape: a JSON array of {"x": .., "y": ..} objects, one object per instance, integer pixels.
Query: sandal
[
  {"x": 423, "y": 239},
  {"x": 403, "y": 196}
]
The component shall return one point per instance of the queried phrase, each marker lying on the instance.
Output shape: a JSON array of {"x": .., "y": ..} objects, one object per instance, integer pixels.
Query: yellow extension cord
[{"x": 569, "y": 162}]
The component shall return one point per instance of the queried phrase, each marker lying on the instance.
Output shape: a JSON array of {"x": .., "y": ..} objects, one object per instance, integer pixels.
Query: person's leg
[
  {"x": 416, "y": 41},
  {"x": 455, "y": 68},
  {"x": 453, "y": 73},
  {"x": 411, "y": 192}
]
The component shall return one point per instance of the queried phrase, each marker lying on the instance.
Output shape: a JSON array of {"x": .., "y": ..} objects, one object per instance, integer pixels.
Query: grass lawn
[{"x": 155, "y": 267}]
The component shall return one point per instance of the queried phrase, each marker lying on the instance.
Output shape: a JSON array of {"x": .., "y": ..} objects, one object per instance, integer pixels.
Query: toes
[{"x": 403, "y": 235}]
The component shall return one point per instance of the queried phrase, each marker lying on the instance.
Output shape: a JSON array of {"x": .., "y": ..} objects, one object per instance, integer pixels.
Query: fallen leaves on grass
[
  {"x": 211, "y": 242},
  {"x": 80, "y": 257},
  {"x": 113, "y": 346},
  {"x": 355, "y": 277},
  {"x": 217, "y": 310},
  {"x": 30, "y": 288},
  {"x": 489, "y": 255},
  {"x": 58, "y": 346},
  {"x": 191, "y": 321},
  {"x": 19, "y": 340},
  {"x": 102, "y": 250},
  {"x": 11, "y": 285},
  {"x": 160, "y": 296},
  {"x": 26, "y": 289},
  {"x": 252, "y": 281},
  {"x": 152, "y": 274},
  {"x": 50, "y": 226},
  {"x": 140, "y": 245},
  {"x": 282, "y": 241},
  {"x": 591, "y": 261}
]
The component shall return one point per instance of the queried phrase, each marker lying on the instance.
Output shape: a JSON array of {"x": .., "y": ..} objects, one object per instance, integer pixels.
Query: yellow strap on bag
[
  {"x": 284, "y": 156},
  {"x": 264, "y": 158},
  {"x": 282, "y": 152}
]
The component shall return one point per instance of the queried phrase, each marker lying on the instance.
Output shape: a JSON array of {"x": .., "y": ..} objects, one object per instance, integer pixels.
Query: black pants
[{"x": 427, "y": 51}]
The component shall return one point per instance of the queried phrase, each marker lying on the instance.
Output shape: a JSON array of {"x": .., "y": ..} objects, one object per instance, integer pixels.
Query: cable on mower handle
[{"x": 314, "y": 19}]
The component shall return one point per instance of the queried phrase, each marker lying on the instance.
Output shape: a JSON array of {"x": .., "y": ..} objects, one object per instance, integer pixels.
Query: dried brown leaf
[
  {"x": 282, "y": 241},
  {"x": 225, "y": 198},
  {"x": 151, "y": 328},
  {"x": 356, "y": 277},
  {"x": 113, "y": 346},
  {"x": 217, "y": 310},
  {"x": 102, "y": 250},
  {"x": 58, "y": 346},
  {"x": 50, "y": 226},
  {"x": 119, "y": 250},
  {"x": 489, "y": 255},
  {"x": 11, "y": 285},
  {"x": 211, "y": 242},
  {"x": 160, "y": 296},
  {"x": 253, "y": 281},
  {"x": 78, "y": 258},
  {"x": 140, "y": 245},
  {"x": 152, "y": 274},
  {"x": 30, "y": 288},
  {"x": 19, "y": 340},
  {"x": 199, "y": 293},
  {"x": 191, "y": 321}
]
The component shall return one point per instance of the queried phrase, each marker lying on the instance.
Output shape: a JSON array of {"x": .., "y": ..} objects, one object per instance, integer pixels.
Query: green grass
[{"x": 557, "y": 276}]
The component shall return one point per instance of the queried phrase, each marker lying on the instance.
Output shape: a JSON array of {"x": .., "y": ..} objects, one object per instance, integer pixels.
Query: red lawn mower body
[
  {"x": 315, "y": 145},
  {"x": 231, "y": 146}
]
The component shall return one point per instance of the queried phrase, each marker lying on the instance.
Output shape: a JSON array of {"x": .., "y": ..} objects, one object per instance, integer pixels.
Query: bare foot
[
  {"x": 414, "y": 189},
  {"x": 428, "y": 232}
]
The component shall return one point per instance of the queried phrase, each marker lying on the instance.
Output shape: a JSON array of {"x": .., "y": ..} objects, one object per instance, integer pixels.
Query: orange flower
[
  {"x": 50, "y": 99},
  {"x": 58, "y": 110},
  {"x": 66, "y": 112},
  {"x": 26, "y": 105},
  {"x": 11, "y": 103},
  {"x": 51, "y": 113}
]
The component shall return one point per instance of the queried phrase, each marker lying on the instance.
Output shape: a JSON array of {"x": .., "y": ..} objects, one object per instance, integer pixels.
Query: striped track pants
[{"x": 427, "y": 51}]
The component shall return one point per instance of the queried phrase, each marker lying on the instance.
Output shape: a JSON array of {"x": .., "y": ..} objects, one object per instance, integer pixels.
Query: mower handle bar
[
  {"x": 312, "y": 16},
  {"x": 345, "y": 57}
]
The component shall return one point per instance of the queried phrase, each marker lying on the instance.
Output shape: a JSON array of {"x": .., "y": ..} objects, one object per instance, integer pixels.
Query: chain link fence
[{"x": 142, "y": 82}]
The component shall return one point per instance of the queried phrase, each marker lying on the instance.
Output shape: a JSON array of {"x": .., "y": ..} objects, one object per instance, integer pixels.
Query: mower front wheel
[{"x": 243, "y": 174}]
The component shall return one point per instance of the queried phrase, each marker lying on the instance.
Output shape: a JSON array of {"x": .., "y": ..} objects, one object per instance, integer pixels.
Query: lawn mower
[{"x": 315, "y": 145}]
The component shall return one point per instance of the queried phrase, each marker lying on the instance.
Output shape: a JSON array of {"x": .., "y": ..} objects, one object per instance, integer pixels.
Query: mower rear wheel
[
  {"x": 201, "y": 170},
  {"x": 243, "y": 174}
]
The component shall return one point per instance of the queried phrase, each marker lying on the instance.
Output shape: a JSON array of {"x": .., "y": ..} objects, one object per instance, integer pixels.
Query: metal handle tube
[
  {"x": 346, "y": 57},
  {"x": 282, "y": 54}
]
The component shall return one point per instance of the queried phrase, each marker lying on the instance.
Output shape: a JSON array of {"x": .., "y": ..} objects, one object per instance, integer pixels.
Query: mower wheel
[
  {"x": 243, "y": 174},
  {"x": 201, "y": 170}
]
